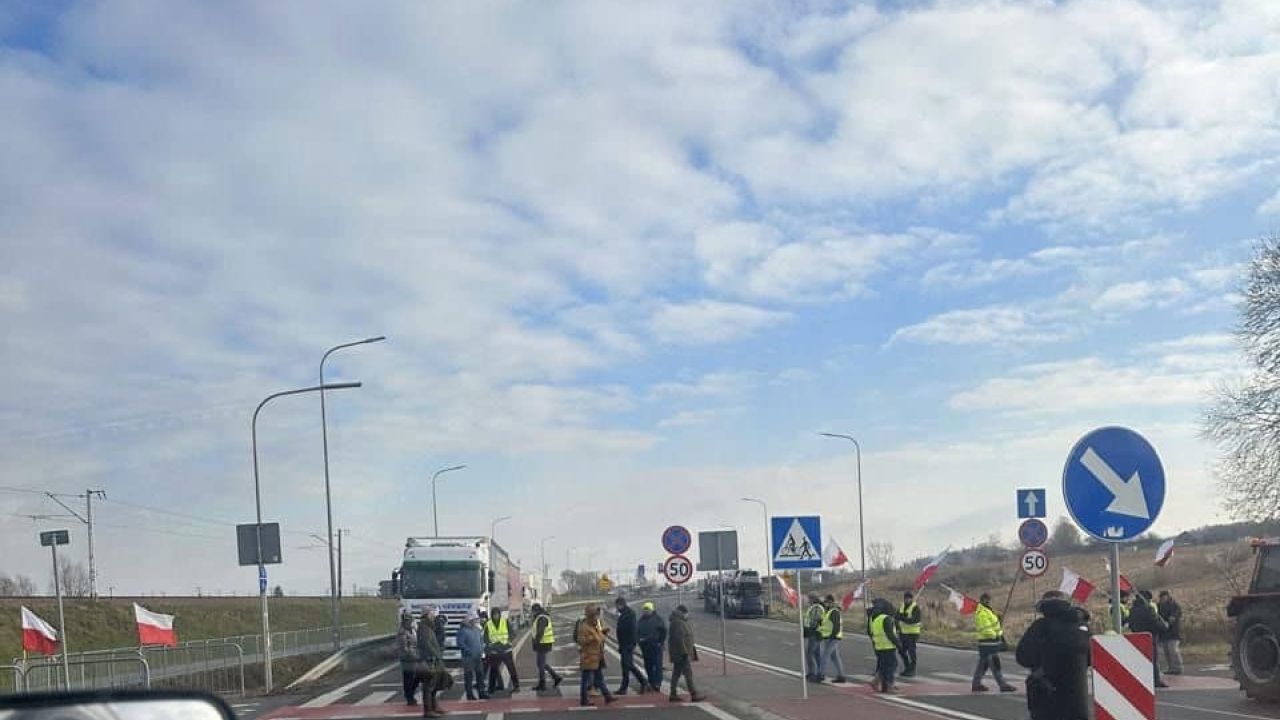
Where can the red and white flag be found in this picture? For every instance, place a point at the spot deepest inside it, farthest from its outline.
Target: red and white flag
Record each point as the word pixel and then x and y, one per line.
pixel 1125 585
pixel 1164 553
pixel 929 569
pixel 788 592
pixel 154 628
pixel 833 555
pixel 38 635
pixel 1076 587
pixel 965 604
pixel 852 596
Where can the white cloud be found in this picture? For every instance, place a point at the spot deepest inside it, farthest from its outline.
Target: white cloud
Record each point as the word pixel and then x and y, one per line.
pixel 1140 294
pixel 997 325
pixel 725 383
pixel 1270 206
pixel 710 321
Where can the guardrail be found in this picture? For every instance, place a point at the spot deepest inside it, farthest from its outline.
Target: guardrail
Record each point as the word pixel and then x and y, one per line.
pixel 214 665
pixel 16 681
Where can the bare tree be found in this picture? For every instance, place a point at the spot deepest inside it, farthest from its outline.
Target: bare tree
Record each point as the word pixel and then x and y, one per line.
pixel 1244 419
pixel 73 577
pixel 24 586
pixel 880 556
pixel 1064 538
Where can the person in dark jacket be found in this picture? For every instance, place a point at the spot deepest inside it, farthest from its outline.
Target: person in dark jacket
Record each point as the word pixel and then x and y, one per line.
pixel 543 642
pixel 908 627
pixel 1055 648
pixel 497 648
pixel 683 651
pixel 627 647
pixel 651 634
pixel 1171 612
pixel 812 643
pixel 882 629
pixel 407 642
pixel 1144 618
pixel 431 659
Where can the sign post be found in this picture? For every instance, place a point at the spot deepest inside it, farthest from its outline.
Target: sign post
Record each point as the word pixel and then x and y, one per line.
pixel 1114 486
pixel 797 545
pixel 52 539
pixel 718 550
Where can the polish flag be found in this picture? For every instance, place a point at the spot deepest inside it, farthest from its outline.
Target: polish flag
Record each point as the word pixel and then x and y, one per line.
pixel 1164 553
pixel 1125 585
pixel 788 592
pixel 154 628
pixel 1075 586
pixel 852 596
pixel 929 569
pixel 965 604
pixel 833 556
pixel 38 635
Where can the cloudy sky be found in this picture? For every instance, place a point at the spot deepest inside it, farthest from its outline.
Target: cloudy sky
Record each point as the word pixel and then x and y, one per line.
pixel 630 257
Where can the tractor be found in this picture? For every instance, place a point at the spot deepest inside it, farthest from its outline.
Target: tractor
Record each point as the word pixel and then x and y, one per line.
pixel 1255 642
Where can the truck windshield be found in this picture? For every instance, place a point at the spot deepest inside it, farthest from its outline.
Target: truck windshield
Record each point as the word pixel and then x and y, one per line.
pixel 421 580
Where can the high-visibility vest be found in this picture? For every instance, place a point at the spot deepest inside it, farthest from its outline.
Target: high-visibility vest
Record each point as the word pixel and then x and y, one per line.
pixel 498 633
pixel 814 615
pixel 548 633
pixel 987 623
pixel 880 638
pixel 827 628
pixel 904 627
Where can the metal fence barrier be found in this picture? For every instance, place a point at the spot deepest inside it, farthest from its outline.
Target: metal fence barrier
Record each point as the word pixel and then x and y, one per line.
pixel 214 665
pixel 16 679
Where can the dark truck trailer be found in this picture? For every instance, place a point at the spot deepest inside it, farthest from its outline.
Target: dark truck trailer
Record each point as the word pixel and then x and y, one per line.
pixel 744 595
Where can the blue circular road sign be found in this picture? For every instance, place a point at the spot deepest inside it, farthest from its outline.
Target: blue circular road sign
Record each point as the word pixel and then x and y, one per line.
pixel 677 540
pixel 1033 532
pixel 1113 484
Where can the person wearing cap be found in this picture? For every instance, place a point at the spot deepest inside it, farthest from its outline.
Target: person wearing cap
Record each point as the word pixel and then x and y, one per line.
pixel 831 632
pixel 544 639
pixel 908 618
pixel 812 643
pixel 1171 612
pixel 471 648
pixel 651 635
pixel 627 646
pixel 407 642
pixel 1055 648
pixel 497 640
pixel 430 662
pixel 683 650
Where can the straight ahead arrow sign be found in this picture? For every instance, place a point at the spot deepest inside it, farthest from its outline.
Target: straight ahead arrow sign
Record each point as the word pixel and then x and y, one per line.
pixel 1030 501
pixel 1127 497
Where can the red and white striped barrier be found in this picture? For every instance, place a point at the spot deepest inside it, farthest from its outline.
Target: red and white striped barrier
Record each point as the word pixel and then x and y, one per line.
pixel 1124 686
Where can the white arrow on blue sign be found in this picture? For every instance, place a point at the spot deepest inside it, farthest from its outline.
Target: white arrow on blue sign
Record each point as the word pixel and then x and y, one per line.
pixel 1113 484
pixel 1031 503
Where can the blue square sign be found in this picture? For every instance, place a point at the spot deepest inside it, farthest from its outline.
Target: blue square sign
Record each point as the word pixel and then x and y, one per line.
pixel 1031 503
pixel 797 542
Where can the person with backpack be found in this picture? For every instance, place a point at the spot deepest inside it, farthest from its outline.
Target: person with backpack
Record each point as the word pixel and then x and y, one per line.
pixel 626 625
pixel 544 638
pixel 1144 618
pixel 651 634
pixel 1055 648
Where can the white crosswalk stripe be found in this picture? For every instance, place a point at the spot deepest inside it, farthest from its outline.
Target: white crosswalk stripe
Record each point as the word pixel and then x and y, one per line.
pixel 376 698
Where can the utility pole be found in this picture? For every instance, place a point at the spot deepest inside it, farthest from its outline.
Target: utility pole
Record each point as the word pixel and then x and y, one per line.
pixel 340 533
pixel 87 519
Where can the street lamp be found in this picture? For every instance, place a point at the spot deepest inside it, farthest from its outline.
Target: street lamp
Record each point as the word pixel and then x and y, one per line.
pixel 862 544
pixel 768 545
pixel 334 610
pixel 435 519
pixel 257 501
pixel 542 544
pixel 493 526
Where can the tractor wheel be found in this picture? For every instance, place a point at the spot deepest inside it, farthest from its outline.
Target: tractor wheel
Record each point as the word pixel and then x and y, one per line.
pixel 1255 652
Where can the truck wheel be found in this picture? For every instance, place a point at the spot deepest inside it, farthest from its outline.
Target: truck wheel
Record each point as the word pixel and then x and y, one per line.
pixel 1255 652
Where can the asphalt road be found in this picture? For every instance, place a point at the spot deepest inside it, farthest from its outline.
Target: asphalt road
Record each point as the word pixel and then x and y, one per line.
pixel 759 677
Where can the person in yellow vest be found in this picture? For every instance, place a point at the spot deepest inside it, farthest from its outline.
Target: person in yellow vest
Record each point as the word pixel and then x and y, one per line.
pixel 881 628
pixel 497 647
pixel 990 643
pixel 544 639
pixel 908 633
pixel 812 643
pixel 831 631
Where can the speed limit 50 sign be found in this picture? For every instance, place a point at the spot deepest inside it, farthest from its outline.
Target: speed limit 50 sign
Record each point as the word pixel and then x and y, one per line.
pixel 677 569
pixel 1034 563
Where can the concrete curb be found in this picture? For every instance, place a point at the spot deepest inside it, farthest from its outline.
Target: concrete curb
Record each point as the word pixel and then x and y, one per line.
pixel 324 666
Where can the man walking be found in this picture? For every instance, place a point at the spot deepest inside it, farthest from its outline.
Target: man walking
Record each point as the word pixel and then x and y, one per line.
pixel 544 640
pixel 590 639
pixel 497 647
pixel 990 642
pixel 430 665
pixel 908 633
pixel 471 650
pixel 1055 648
pixel 651 633
pixel 1171 612
pixel 812 643
pixel 683 651
pixel 627 646
pixel 830 632
pixel 885 641
pixel 407 641
pixel 1144 618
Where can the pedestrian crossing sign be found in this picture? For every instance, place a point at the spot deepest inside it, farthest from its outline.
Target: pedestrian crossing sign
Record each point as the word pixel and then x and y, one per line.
pixel 797 542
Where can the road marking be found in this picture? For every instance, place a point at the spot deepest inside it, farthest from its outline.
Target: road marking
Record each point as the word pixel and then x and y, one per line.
pixel 755 663
pixel 386 685
pixel 376 698
pixel 715 712
pixel 1215 712
pixel 932 709
pixel 333 695
pixel 493 716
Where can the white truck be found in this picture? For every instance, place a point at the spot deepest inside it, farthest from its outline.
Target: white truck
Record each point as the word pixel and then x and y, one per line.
pixel 460 575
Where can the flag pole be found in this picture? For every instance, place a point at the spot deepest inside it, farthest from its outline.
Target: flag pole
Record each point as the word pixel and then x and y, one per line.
pixel 1009 599
pixel 804 681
